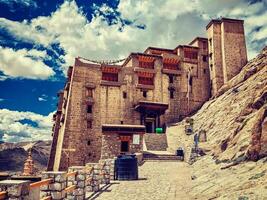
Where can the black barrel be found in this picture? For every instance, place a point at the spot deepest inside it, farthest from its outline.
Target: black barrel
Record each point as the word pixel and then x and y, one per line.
pixel 126 167
pixel 180 153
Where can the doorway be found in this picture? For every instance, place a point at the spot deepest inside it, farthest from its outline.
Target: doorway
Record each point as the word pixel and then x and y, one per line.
pixel 124 146
pixel 149 127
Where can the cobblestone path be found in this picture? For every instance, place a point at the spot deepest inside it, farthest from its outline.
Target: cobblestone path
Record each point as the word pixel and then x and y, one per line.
pixel 158 181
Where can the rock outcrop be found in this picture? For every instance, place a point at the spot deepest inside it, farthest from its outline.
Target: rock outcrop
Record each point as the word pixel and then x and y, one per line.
pixel 235 123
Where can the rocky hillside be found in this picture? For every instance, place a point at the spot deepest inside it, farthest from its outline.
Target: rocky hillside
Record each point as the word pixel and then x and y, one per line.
pixel 235 163
pixel 13 155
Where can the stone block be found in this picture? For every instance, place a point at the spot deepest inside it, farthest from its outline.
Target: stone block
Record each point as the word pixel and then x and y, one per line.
pixel 79 191
pixel 15 188
pixel 80 177
pixel 57 186
pixel 58 195
pixel 81 184
pixel 89 188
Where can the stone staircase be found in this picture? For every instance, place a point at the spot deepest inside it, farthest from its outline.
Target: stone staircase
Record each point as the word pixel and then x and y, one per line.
pixel 160 156
pixel 176 138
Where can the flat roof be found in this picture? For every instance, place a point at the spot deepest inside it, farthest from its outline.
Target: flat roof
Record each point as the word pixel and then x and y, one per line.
pixel 197 38
pixel 187 46
pixel 142 106
pixel 158 48
pixel 223 19
pixel 139 54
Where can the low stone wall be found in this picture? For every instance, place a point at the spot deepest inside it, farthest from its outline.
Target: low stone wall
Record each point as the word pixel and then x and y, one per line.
pixel 156 142
pixel 15 189
pixel 64 185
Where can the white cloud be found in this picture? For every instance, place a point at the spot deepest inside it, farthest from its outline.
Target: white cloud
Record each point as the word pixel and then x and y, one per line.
pixel 168 23
pixel 13 130
pixel 43 97
pixel 24 64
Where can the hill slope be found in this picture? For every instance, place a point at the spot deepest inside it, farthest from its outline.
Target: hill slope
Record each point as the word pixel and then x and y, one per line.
pixel 236 125
pixel 13 155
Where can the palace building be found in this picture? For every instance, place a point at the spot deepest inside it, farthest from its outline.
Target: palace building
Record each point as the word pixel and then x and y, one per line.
pixel 105 110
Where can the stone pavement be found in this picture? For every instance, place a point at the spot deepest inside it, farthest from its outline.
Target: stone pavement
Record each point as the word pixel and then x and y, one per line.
pixel 157 181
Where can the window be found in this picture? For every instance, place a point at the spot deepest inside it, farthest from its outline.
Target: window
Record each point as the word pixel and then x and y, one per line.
pixel 210 40
pixel 190 54
pixel 171 66
pixel 88 142
pixel 211 66
pixel 89 92
pixel 204 45
pixel 171 94
pixel 145 94
pixel 204 58
pixel 110 76
pixel 210 55
pixel 190 81
pixel 148 65
pixel 121 122
pixel 204 71
pixel 89 109
pixel 170 79
pixel 89 124
pixel 145 80
pixel 124 94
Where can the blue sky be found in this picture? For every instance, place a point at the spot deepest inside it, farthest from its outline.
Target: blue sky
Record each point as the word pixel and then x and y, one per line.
pixel 39 39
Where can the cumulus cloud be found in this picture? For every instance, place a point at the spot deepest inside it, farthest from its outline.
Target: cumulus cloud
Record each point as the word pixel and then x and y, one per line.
pixel 13 130
pixel 24 63
pixel 152 23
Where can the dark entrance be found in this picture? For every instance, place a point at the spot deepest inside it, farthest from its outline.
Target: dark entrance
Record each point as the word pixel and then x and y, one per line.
pixel 149 127
pixel 124 146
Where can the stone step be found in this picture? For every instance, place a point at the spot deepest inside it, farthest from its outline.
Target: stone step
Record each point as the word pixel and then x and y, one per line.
pixel 160 157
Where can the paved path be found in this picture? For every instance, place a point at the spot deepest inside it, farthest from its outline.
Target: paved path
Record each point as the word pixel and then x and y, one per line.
pixel 158 181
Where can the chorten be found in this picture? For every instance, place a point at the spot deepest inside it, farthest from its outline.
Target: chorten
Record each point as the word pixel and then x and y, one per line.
pixel 28 165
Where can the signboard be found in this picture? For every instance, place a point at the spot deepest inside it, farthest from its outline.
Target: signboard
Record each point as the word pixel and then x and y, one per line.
pixel 136 139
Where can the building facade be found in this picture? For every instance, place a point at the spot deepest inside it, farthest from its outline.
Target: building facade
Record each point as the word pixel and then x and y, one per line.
pixel 227 50
pixel 105 110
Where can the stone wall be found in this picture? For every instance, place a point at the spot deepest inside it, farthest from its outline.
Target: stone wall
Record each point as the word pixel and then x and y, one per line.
pixel 156 142
pixel 111 145
pixel 227 50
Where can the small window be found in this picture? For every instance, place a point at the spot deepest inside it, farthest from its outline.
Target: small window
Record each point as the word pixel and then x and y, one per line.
pixel 210 40
pixel 88 142
pixel 170 79
pixel 89 124
pixel 211 66
pixel 89 109
pixel 124 94
pixel 145 94
pixel 204 71
pixel 204 45
pixel 210 55
pixel 190 81
pixel 204 58
pixel 89 92
pixel 121 122
pixel 171 94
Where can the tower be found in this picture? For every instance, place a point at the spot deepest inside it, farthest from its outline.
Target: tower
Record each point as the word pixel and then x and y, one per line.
pixel 227 50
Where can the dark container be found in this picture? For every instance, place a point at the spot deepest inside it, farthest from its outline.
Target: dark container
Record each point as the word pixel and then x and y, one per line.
pixel 180 153
pixel 126 167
